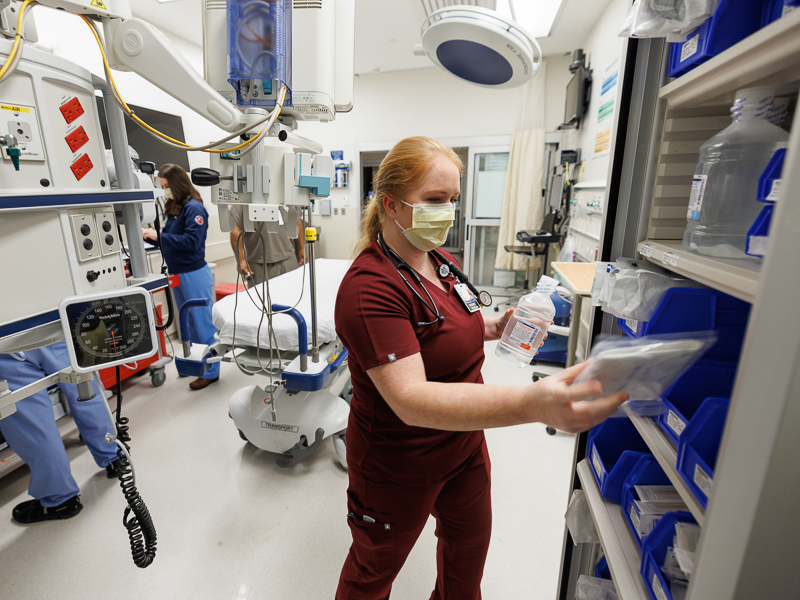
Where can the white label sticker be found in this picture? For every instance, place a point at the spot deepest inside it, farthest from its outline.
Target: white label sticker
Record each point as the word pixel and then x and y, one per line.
pixel 703 480
pixel 670 259
pixel 226 196
pixel 523 335
pixel 774 191
pixel 787 9
pixel 632 324
pixel 696 199
pixel 757 245
pixel 657 589
pixel 646 250
pixel 635 521
pixel 598 464
pixel 689 48
pixel 675 423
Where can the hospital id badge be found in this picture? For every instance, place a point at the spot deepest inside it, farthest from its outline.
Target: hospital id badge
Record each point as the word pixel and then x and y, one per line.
pixel 467 297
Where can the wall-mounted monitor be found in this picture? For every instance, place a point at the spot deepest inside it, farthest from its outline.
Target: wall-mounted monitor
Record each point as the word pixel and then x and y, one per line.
pixel 576 99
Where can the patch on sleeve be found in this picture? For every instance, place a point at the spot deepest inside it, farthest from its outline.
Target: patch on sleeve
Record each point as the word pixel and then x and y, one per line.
pixel 392 358
pixel 198 219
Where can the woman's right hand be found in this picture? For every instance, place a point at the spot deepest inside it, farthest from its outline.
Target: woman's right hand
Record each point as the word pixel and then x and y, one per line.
pixel 244 268
pixel 572 408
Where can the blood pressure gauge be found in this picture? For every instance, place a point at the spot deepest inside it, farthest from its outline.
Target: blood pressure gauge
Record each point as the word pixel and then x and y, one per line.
pixel 108 328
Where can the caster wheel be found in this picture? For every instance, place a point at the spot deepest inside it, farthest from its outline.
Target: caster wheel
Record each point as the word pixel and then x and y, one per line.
pixel 496 309
pixel 535 378
pixel 550 431
pixel 243 436
pixel 158 377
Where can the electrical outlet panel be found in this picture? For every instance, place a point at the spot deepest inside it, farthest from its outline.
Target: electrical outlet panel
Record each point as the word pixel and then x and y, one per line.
pixel 72 110
pixel 77 139
pixel 81 167
pixel 84 232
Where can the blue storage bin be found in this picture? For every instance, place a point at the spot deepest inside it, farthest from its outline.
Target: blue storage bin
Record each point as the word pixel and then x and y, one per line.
pixel 775 9
pixel 769 185
pixel 654 550
pixel 614 448
pixel 733 21
pixel 601 570
pixel 646 472
pixel 758 234
pixel 690 309
pixel 699 446
pixel 555 346
pixel 683 399
pixel 771 175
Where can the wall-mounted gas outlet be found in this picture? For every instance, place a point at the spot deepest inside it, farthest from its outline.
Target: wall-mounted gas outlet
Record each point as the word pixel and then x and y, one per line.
pixel 107 232
pixel 21 130
pixel 84 232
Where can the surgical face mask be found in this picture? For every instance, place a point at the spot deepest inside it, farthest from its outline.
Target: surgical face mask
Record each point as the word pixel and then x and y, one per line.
pixel 168 194
pixel 430 224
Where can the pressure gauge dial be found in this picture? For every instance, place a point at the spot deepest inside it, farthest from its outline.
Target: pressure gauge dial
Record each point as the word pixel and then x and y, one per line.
pixel 109 328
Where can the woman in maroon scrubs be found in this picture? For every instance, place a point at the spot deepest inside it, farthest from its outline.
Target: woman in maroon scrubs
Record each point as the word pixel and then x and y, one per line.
pixel 415 443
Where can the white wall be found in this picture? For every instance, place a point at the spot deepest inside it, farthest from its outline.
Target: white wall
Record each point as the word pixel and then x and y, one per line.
pixel 601 46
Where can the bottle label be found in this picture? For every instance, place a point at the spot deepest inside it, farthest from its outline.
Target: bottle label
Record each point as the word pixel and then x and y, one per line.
pixel 696 199
pixel 523 335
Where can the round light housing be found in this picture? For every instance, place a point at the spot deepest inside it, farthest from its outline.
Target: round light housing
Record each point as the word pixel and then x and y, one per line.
pixel 481 46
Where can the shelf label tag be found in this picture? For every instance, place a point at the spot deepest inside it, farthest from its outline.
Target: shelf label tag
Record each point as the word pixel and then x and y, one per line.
pixel 703 480
pixel 657 589
pixel 774 191
pixel 757 245
pixel 646 250
pixel 636 521
pixel 689 48
pixel 670 259
pixel 632 324
pixel 696 199
pixel 598 465
pixel 787 9
pixel 675 423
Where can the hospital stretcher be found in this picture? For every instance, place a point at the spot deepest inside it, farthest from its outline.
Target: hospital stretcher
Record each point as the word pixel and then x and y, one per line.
pixel 301 402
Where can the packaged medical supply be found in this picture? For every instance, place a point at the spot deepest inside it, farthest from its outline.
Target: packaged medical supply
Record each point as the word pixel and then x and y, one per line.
pixel 579 520
pixel 723 202
pixel 646 367
pixel 646 515
pixel 593 588
pixel 672 19
pixel 528 325
pixel 658 493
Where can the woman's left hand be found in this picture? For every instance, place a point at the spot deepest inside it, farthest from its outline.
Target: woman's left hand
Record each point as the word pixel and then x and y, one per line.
pixel 149 234
pixel 496 327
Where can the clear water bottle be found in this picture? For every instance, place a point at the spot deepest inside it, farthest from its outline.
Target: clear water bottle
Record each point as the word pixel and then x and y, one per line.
pixel 724 204
pixel 528 325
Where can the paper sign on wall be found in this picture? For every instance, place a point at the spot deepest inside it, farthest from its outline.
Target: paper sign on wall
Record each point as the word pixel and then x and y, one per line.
pixel 605 109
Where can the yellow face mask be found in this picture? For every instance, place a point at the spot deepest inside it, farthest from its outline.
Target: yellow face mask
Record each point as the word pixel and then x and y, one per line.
pixel 430 224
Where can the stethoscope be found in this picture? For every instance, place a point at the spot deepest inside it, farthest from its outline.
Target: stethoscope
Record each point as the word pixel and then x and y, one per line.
pixel 446 268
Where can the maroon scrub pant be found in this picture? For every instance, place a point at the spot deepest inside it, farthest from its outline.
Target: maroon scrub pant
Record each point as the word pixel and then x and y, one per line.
pixel 395 516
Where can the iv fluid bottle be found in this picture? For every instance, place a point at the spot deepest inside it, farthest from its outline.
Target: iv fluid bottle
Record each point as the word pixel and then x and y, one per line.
pixel 724 204
pixel 528 325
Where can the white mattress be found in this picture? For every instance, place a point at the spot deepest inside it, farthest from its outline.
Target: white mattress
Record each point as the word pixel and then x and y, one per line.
pixel 285 290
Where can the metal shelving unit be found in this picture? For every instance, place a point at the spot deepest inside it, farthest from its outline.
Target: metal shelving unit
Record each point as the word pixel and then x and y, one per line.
pixel 748 547
pixel 622 553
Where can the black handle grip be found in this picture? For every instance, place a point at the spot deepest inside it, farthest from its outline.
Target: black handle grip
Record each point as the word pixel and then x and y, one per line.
pixel 205 177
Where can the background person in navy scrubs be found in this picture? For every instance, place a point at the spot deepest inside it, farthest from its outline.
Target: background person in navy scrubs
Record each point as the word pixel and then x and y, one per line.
pixel 183 244
pixel 415 443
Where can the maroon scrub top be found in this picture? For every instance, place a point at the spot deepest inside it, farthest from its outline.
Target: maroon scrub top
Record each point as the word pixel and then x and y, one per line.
pixel 376 316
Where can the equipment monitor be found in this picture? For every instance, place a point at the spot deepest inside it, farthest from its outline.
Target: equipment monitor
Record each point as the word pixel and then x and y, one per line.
pixel 108 328
pixel 556 191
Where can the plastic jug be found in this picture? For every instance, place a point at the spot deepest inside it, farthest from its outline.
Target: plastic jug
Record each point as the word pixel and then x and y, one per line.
pixel 528 325
pixel 723 203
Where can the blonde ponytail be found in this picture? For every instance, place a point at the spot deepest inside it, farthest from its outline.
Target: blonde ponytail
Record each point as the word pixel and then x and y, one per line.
pixel 404 168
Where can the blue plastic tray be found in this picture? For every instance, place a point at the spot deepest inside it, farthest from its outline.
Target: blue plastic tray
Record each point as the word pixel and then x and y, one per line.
pixel 601 570
pixel 614 448
pixel 690 309
pixel 758 234
pixel 704 380
pixel 699 446
pixel 646 472
pixel 654 550
pixel 733 21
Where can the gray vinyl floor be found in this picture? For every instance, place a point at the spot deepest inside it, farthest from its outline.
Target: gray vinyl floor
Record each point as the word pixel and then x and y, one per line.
pixel 234 526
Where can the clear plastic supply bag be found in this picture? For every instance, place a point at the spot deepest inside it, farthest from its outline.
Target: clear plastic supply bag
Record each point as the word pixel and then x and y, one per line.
pixel 593 588
pixel 645 367
pixel 579 520
pixel 671 19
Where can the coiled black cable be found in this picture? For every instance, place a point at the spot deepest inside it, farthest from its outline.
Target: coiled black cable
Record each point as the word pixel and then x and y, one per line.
pixel 141 531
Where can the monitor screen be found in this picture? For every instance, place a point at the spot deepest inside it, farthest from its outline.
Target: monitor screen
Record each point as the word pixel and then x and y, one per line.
pixel 149 148
pixel 573 107
pixel 556 191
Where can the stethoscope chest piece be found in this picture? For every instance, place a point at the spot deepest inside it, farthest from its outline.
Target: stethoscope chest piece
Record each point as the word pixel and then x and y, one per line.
pixel 444 271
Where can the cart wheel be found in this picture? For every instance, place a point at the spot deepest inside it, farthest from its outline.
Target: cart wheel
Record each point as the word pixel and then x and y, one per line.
pixel 158 377
pixel 536 378
pixel 243 436
pixel 550 431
